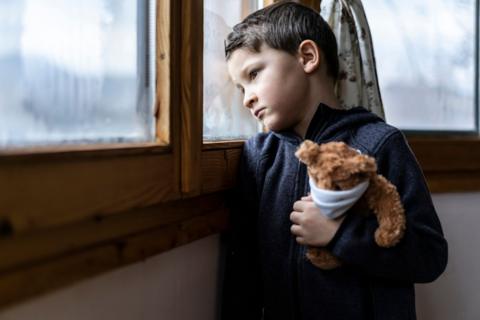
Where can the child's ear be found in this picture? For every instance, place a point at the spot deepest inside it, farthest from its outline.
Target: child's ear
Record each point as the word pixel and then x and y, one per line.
pixel 309 55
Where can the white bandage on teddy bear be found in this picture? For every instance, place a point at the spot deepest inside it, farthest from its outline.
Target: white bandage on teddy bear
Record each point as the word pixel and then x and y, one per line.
pixel 334 204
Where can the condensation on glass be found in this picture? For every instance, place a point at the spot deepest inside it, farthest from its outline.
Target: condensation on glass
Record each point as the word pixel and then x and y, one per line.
pixel 224 115
pixel 74 72
pixel 425 53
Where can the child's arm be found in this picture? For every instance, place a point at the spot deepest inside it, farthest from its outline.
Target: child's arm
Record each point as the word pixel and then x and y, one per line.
pixel 242 286
pixel 421 256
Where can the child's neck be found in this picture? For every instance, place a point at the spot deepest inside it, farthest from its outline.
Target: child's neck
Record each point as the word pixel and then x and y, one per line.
pixel 325 93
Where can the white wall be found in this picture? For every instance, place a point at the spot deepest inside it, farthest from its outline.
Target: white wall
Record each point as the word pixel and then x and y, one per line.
pixel 456 294
pixel 182 284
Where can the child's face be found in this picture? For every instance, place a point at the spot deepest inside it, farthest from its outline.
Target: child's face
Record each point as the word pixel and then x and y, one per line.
pixel 274 84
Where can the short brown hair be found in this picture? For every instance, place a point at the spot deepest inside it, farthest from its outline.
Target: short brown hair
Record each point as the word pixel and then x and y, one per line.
pixel 283 26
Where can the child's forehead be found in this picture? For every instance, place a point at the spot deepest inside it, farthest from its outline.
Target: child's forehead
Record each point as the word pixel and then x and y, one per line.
pixel 241 59
pixel 242 55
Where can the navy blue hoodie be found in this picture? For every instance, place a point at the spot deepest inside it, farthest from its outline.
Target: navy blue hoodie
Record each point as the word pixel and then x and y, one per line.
pixel 267 272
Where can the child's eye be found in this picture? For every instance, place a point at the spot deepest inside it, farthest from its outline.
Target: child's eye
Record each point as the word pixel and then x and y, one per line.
pixel 252 75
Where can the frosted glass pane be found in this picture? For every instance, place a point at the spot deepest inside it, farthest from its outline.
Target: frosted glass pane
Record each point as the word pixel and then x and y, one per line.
pixel 425 53
pixel 224 117
pixel 75 71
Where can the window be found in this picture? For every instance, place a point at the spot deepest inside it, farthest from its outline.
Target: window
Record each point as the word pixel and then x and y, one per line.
pixel 426 62
pixel 224 115
pixel 76 72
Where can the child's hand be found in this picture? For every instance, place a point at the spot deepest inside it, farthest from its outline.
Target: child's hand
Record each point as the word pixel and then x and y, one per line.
pixel 310 226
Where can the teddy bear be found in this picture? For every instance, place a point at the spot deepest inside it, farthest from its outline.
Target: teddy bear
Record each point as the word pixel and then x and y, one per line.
pixel 336 166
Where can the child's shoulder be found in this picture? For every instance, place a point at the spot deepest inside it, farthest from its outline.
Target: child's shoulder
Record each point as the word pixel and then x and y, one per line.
pixel 389 146
pixel 256 145
pixel 374 136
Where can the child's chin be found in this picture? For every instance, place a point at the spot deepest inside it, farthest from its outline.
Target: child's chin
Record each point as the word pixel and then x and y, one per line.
pixel 272 126
pixel 276 128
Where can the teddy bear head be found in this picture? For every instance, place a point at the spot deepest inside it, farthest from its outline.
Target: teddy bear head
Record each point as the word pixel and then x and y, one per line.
pixel 335 165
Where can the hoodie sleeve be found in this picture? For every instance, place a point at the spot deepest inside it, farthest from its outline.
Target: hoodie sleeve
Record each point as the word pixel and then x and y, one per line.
pixel 421 255
pixel 242 284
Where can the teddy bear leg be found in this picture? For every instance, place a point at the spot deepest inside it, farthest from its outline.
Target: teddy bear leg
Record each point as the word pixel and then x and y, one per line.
pixel 389 233
pixel 322 258
pixel 391 220
pixel 390 214
pixel 391 227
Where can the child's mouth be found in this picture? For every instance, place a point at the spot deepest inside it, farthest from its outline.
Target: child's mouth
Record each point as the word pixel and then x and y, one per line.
pixel 259 113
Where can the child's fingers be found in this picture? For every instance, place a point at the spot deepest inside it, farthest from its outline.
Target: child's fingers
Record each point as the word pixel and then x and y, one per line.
pixel 299 205
pixel 307 198
pixel 295 217
pixel 301 240
pixel 296 230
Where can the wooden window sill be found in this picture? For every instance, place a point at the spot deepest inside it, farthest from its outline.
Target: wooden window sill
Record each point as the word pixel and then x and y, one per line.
pixel 450 164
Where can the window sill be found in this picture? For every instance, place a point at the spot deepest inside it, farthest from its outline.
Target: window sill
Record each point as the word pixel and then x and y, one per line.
pixel 450 164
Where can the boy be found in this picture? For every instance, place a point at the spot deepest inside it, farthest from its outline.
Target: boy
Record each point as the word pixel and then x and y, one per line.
pixel 284 59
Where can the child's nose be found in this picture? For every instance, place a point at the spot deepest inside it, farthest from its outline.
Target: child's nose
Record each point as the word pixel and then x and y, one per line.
pixel 249 100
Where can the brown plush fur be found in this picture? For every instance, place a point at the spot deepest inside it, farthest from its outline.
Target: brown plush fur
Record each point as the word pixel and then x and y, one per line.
pixel 336 166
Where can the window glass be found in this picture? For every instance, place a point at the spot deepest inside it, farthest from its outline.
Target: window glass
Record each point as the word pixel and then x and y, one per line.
pixel 76 71
pixel 224 114
pixel 425 54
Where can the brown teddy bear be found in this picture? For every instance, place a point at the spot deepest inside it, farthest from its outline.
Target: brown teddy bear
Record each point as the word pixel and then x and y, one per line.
pixel 336 166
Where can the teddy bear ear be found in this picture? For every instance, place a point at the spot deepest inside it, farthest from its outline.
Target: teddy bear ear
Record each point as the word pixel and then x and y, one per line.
pixel 308 152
